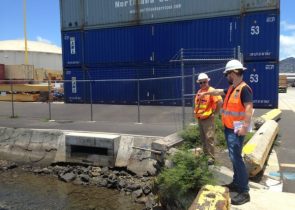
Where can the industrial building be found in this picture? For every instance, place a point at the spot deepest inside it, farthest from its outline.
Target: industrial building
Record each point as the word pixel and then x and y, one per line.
pixel 131 41
pixel 41 55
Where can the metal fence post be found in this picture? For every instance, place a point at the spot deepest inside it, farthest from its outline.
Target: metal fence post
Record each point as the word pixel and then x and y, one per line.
pixel 194 92
pixel 91 107
pixel 12 101
pixel 138 101
pixel 182 88
pixel 49 104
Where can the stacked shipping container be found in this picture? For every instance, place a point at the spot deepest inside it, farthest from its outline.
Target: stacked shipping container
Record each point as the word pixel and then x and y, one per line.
pixel 135 39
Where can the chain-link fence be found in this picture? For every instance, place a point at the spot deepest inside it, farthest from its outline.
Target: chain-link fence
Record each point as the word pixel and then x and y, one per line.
pixel 152 94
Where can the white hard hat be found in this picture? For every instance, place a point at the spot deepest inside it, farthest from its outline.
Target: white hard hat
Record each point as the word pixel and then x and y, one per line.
pixel 233 65
pixel 203 76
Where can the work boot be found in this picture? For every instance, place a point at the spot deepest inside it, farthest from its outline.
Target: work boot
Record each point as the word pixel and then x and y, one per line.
pixel 240 198
pixel 232 187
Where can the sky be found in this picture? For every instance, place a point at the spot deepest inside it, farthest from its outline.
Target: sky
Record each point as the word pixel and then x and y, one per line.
pixel 43 23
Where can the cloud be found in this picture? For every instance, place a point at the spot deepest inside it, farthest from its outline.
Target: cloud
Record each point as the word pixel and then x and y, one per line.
pixel 287 46
pixel 40 39
pixel 285 26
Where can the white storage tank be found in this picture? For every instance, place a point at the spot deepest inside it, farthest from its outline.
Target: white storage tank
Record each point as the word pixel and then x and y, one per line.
pixel 41 55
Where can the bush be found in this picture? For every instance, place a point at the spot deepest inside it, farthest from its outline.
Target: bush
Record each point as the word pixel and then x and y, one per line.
pixel 178 186
pixel 191 137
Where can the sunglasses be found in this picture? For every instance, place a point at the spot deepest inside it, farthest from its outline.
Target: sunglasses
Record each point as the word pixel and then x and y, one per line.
pixel 204 82
pixel 227 73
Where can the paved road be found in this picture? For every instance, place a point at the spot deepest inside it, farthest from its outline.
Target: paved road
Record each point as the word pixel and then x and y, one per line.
pixel 286 150
pixel 155 120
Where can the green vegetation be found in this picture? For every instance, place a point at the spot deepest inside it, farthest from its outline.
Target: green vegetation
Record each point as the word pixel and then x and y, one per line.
pixel 191 135
pixel 178 186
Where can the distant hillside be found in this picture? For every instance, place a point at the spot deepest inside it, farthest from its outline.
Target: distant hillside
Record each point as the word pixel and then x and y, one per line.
pixel 287 65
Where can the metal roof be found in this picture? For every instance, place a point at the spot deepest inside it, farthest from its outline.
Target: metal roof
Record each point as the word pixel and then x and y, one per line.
pixel 33 46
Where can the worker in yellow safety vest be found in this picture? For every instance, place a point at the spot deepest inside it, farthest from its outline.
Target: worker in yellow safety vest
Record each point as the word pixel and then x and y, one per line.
pixel 205 109
pixel 236 112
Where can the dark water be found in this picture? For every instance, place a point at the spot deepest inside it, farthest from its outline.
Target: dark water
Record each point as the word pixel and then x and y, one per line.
pixel 22 190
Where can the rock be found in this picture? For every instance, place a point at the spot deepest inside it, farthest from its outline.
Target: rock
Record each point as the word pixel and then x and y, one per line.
pixel 116 173
pixel 112 181
pixel 137 194
pixel 146 189
pixel 95 171
pixel 103 183
pixel 122 184
pixel 57 169
pixel 142 167
pixel 141 200
pixel 133 186
pixel 7 165
pixel 104 170
pixel 151 202
pixel 84 178
pixel 67 177
pixel 168 164
pixel 123 173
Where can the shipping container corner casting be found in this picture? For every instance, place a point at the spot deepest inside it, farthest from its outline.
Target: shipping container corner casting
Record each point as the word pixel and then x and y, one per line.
pixel 116 39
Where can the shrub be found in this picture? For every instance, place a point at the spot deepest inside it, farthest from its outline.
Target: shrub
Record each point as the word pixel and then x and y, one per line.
pixel 191 137
pixel 178 186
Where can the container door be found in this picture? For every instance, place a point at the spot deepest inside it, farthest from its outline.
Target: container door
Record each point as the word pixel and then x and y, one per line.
pixel 116 92
pixel 261 36
pixel 263 79
pixel 74 88
pixel 72 55
pixel 71 18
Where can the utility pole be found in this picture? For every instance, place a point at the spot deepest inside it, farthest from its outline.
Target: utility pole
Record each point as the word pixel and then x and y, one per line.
pixel 25 32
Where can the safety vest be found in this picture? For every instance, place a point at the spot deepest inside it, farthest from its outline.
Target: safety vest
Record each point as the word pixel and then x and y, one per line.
pixel 205 106
pixel 233 109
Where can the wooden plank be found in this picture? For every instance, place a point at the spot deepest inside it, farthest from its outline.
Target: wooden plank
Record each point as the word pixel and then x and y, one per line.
pixel 25 87
pixel 20 97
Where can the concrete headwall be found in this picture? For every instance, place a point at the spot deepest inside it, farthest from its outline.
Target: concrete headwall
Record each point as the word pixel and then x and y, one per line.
pixel 29 145
pixel 43 147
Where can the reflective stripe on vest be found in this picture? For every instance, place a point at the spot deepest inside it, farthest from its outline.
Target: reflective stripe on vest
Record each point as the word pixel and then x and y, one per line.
pixel 233 113
pixel 233 109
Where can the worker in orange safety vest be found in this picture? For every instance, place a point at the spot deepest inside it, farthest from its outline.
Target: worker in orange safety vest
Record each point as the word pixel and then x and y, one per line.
pixel 236 112
pixel 205 109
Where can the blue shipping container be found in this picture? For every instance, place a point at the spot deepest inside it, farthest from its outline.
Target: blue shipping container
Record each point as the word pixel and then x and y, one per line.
pixel 72 48
pixel 118 45
pixel 214 33
pixel 149 43
pixel 263 79
pixel 261 32
pixel 74 89
pixel 114 92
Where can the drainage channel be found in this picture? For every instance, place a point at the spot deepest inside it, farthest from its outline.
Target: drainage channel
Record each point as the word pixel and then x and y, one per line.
pixel 92 148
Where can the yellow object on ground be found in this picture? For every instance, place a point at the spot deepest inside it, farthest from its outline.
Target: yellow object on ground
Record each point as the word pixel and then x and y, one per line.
pixel 212 198
pixel 274 114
